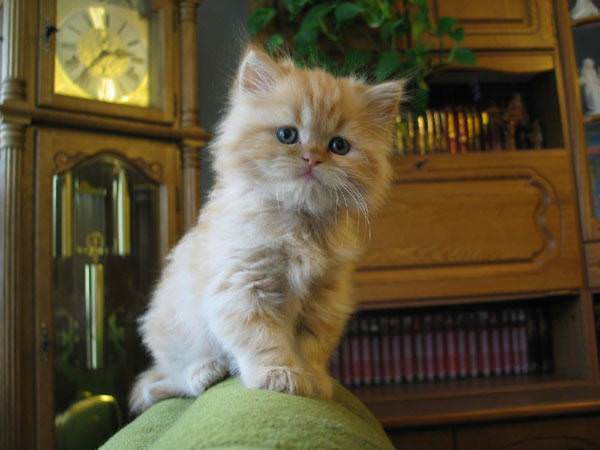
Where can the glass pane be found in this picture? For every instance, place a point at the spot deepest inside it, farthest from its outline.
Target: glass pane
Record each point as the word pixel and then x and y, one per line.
pixel 109 50
pixel 106 258
pixel 593 148
pixel 586 39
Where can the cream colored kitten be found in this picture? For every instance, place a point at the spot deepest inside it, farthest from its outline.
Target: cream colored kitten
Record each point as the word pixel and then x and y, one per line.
pixel 261 285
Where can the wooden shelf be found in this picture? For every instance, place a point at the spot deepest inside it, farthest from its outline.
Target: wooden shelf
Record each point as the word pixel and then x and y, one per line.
pixel 467 401
pixel 483 153
pixel 585 21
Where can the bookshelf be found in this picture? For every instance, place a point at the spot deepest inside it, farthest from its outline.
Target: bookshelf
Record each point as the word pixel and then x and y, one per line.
pixel 496 230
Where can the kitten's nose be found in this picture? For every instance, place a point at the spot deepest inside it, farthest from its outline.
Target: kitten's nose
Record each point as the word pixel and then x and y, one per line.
pixel 312 159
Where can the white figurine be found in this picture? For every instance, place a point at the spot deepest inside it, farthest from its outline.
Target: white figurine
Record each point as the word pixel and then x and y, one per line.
pixel 590 81
pixel 583 8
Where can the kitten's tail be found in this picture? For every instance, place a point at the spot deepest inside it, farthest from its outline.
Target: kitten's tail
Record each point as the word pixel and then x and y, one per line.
pixel 150 387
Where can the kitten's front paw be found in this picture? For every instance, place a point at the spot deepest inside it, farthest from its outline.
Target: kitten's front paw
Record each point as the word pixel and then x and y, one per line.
pixel 290 380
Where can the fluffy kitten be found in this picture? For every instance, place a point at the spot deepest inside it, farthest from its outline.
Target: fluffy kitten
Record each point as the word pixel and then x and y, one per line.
pixel 261 285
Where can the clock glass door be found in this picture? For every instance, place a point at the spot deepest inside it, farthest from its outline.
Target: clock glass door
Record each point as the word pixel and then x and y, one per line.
pixel 106 253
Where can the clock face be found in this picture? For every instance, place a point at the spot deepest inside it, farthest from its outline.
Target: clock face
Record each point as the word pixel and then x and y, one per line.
pixel 102 54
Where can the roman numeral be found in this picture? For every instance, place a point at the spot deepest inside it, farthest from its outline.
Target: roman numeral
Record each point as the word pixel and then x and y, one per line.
pixel 74 30
pixel 84 79
pixel 68 45
pixel 71 63
pixel 134 77
pixel 132 43
pixel 87 20
pixel 121 28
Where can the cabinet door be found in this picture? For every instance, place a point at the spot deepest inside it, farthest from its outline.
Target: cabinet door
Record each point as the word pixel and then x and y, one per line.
pixel 477 224
pixel 422 439
pixel 566 434
pixel 501 23
pixel 106 216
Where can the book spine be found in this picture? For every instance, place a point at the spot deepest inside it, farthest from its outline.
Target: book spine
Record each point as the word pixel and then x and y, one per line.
pixel 366 357
pixel 429 347
pixel 451 351
pixel 523 349
pixel 407 349
pixel 495 340
pixel 419 348
pixel 462 131
pixel 440 347
pixel 461 339
pixel 546 341
pixel 386 351
pixel 451 131
pixel 430 130
pixel 357 376
pixel 397 356
pixel 376 350
pixel 507 362
pixel 533 342
pixel 484 343
pixel 347 361
pixel 514 321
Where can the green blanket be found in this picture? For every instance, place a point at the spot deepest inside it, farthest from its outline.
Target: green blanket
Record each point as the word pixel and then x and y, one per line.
pixel 229 416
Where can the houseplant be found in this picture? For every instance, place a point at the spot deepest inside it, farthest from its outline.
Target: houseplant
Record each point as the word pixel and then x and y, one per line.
pixel 380 39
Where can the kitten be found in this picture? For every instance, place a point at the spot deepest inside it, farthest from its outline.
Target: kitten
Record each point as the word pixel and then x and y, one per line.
pixel 261 285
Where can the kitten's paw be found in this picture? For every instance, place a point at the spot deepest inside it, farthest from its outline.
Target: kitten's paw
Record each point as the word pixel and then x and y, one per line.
pixel 203 375
pixel 290 380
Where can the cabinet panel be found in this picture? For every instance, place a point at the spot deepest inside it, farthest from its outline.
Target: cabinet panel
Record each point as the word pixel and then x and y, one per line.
pixel 502 23
pixel 567 434
pixel 474 224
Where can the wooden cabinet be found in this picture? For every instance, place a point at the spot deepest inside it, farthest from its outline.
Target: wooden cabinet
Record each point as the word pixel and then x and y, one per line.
pixel 501 23
pixel 475 224
pixel 422 439
pixel 566 434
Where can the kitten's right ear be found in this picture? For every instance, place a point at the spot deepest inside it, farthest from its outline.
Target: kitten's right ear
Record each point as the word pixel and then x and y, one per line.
pixel 258 72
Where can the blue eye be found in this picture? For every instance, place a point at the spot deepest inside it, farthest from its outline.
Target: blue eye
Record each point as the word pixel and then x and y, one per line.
pixel 287 135
pixel 339 146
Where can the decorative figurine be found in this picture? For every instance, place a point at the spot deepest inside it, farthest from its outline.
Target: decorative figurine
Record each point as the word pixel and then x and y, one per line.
pixel 591 86
pixel 515 116
pixel 584 8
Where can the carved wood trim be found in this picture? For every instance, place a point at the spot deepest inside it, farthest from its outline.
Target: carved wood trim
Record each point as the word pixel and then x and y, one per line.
pixel 12 86
pixel 190 159
pixel 64 161
pixel 189 70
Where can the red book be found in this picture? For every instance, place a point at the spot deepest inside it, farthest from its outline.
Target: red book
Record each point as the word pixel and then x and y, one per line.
pixel 495 341
pixel 346 361
pixel 407 349
pixel 366 357
pixel 375 333
pixel 451 350
pixel 440 346
pixel 396 348
pixel 472 346
pixel 356 371
pixel 484 343
pixel 515 345
pixel 419 350
pixel 461 345
pixel 429 347
pixel 386 351
pixel 505 332
pixel 523 348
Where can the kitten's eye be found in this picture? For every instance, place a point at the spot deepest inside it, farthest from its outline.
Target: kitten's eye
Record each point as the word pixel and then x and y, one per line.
pixel 287 135
pixel 339 146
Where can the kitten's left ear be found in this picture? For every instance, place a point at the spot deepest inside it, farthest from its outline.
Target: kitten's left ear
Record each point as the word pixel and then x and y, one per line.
pixel 383 99
pixel 258 72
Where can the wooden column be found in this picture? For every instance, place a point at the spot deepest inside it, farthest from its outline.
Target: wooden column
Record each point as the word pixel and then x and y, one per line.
pixel 12 147
pixel 189 110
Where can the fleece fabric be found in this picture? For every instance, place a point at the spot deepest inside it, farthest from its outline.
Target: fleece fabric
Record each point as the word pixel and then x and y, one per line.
pixel 230 417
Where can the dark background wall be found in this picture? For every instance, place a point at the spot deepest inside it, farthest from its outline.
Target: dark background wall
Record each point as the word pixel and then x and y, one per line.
pixel 221 38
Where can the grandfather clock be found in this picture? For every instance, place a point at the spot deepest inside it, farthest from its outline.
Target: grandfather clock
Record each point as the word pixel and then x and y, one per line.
pixel 99 170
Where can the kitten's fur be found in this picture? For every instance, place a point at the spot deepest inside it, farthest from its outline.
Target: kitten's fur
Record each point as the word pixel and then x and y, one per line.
pixel 261 285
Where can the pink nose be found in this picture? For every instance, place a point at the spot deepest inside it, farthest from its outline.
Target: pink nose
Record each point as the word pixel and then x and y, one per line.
pixel 311 159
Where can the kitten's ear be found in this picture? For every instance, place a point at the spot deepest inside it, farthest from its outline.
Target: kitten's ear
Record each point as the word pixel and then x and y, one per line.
pixel 258 72
pixel 383 99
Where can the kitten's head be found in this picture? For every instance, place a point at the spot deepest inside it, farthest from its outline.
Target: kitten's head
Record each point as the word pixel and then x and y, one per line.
pixel 306 139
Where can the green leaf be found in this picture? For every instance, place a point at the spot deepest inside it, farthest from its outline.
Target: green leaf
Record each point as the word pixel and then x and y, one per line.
pixel 355 61
pixel 445 25
pixel 389 62
pixel 347 11
pixel 294 7
pixel 390 30
pixel 420 3
pixel 458 34
pixel 259 19
pixel 419 98
pixel 274 43
pixel 306 38
pixel 314 16
pixel 462 56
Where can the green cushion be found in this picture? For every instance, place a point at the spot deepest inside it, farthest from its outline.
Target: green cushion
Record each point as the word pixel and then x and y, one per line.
pixel 229 416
